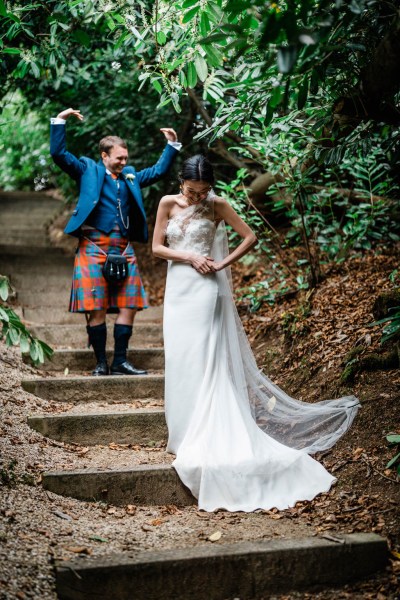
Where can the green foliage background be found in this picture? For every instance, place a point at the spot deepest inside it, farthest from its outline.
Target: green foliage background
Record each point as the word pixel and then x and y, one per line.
pixel 305 91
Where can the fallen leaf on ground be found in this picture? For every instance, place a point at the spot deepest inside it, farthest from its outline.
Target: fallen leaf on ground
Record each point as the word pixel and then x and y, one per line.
pixel 214 537
pixel 62 515
pixel 156 522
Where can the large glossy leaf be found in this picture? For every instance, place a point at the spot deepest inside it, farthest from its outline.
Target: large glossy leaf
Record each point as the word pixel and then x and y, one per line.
pixel 191 75
pixel 201 67
pixel 214 56
pixel 189 3
pixel 204 24
pixel 190 14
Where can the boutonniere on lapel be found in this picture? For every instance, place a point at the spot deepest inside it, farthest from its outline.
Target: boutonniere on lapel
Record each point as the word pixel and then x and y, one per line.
pixel 130 177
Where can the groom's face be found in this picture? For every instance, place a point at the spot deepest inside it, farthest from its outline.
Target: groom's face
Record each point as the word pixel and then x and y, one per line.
pixel 116 159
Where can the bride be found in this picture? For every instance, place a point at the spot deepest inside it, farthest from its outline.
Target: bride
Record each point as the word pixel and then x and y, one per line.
pixel 241 443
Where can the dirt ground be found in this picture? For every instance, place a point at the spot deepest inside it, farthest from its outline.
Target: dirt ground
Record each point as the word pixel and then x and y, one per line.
pixel 301 342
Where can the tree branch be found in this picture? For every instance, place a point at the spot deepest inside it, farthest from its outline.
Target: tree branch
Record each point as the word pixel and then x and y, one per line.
pixel 220 148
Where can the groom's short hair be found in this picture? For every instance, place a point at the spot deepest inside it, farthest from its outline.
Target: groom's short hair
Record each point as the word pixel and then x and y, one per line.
pixel 108 142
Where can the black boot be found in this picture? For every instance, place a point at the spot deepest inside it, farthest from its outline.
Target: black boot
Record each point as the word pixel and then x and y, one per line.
pixel 97 339
pixel 120 365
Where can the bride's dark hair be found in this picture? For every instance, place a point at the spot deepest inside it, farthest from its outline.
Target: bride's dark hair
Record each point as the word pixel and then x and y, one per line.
pixel 197 168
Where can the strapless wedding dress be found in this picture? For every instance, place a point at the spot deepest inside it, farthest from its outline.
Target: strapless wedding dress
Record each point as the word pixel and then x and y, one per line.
pixel 240 442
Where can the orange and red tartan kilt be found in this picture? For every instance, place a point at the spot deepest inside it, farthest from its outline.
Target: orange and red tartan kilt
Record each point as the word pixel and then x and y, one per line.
pixel 90 291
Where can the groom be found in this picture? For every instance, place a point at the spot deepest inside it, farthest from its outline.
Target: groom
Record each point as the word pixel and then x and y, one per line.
pixel 108 215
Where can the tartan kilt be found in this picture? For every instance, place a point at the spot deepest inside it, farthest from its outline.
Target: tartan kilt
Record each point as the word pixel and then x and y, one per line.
pixel 90 291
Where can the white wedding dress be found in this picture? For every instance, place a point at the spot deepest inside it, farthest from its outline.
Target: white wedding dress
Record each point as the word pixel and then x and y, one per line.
pixel 240 442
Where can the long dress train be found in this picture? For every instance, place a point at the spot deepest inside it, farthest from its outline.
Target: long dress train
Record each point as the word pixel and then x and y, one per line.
pixel 241 443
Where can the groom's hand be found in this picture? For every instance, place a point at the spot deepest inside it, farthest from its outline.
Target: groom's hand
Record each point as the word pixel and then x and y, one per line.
pixel 70 112
pixel 170 134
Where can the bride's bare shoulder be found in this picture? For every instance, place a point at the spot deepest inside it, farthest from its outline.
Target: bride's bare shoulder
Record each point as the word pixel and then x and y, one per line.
pixel 168 203
pixel 219 204
pixel 169 200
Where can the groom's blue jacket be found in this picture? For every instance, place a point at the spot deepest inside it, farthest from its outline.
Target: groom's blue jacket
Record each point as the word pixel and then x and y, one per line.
pixel 90 178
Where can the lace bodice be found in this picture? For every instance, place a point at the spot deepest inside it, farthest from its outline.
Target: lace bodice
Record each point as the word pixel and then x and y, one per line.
pixel 193 228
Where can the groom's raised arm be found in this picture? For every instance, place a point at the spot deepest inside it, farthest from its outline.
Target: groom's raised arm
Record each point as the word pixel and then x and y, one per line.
pixel 69 163
pixel 152 174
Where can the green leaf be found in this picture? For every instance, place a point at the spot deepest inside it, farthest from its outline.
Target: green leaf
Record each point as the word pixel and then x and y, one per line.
pixel 11 51
pixel 161 38
pixel 204 24
pixel 24 343
pixel 4 289
pixel 190 14
pixel 189 3
pixel 35 69
pixel 33 351
pixel 40 352
pixel 14 335
pixel 4 315
pixel 110 22
pixel 157 85
pixel 393 461
pixel 213 11
pixel 175 102
pixel 276 97
pixel 82 37
pixel 182 79
pixel 393 438
pixel 3 9
pixel 201 67
pixel 213 54
pixel 191 75
pixel 97 538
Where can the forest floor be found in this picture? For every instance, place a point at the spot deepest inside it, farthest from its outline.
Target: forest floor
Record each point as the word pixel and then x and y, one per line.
pixel 301 343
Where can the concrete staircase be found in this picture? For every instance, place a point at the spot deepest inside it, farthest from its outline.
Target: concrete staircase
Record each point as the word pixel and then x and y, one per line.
pixel 42 277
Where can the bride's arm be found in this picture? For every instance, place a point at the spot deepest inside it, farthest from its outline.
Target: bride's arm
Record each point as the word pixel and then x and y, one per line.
pixel 202 264
pixel 224 212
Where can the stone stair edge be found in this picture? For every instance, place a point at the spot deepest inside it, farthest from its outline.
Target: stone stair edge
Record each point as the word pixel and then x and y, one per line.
pixel 88 378
pixel 66 415
pixel 220 571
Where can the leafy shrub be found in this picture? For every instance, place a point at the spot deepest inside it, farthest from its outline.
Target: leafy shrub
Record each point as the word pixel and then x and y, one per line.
pixel 14 331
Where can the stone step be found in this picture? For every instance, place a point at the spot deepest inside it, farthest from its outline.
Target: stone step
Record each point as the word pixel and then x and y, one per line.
pixel 245 570
pixel 38 217
pixel 31 198
pixel 35 298
pixel 96 389
pixel 8 226
pixel 143 485
pixel 140 426
pixel 23 255
pixel 34 240
pixel 75 336
pixel 61 316
pixel 84 360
